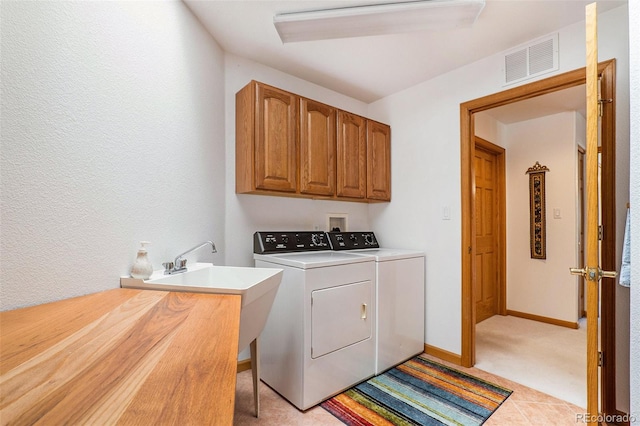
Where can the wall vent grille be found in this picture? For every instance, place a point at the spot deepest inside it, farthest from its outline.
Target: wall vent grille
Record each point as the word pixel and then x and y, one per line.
pixel 531 60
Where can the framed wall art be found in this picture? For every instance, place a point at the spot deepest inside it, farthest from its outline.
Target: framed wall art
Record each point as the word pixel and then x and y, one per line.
pixel 537 211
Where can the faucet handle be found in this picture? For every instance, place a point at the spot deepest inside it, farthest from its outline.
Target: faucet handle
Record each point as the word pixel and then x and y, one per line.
pixel 168 266
pixel 182 263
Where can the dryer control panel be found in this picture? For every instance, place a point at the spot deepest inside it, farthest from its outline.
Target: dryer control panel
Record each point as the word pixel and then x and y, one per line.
pixel 285 242
pixel 353 240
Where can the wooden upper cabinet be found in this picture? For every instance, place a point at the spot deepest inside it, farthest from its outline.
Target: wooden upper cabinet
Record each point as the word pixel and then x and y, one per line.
pixel 317 148
pixel 352 155
pixel 293 146
pixel 378 161
pixel 266 139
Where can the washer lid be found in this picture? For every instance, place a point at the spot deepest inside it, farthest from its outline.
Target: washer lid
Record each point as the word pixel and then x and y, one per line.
pixel 385 254
pixel 318 259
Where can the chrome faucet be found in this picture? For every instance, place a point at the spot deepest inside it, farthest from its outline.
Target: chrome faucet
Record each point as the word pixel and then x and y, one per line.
pixel 180 264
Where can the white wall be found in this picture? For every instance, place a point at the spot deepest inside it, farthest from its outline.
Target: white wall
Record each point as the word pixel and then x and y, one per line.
pixel 246 213
pixel 543 286
pixel 489 129
pixel 112 132
pixel 634 181
pixel 426 146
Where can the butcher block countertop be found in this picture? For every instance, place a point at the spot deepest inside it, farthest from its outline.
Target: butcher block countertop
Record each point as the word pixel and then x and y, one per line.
pixel 121 356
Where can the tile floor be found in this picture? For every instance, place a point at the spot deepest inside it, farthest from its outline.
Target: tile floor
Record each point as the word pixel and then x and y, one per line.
pixel 525 406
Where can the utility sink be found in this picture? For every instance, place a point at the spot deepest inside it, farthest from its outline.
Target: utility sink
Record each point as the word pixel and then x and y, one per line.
pixel 257 286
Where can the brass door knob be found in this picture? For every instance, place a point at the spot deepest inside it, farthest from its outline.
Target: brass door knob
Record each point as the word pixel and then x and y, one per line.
pixel 608 274
pixel 593 274
pixel 578 271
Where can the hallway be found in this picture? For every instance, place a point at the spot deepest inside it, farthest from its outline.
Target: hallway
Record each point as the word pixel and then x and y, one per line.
pixel 545 357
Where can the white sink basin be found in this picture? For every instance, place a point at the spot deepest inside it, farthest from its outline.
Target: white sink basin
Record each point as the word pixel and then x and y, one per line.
pixel 257 286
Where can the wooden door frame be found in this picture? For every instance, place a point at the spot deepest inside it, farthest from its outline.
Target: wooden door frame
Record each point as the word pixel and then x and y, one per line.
pixel 606 70
pixel 501 197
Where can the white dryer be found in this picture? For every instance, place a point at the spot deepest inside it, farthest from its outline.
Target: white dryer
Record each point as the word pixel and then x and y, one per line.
pixel 319 338
pixel 400 296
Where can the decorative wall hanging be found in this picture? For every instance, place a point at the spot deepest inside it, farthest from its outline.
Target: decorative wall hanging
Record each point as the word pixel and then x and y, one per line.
pixel 537 211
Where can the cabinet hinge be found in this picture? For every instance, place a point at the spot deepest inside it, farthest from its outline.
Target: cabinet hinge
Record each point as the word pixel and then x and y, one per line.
pixel 600 359
pixel 600 232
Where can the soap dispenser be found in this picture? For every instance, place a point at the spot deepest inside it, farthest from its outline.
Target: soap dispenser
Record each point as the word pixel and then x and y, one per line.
pixel 142 268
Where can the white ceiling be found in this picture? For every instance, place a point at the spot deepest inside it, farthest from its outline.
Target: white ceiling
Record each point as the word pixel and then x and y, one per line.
pixel 369 68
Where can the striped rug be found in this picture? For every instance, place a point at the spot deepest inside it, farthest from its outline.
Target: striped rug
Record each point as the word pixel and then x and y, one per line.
pixel 418 392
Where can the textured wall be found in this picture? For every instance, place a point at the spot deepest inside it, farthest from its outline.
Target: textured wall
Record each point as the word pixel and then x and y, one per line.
pixel 112 132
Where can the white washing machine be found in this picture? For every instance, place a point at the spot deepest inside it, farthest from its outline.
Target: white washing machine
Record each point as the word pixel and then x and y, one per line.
pixel 400 296
pixel 319 338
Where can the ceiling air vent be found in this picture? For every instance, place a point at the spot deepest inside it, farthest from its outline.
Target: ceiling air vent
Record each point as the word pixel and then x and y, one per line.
pixel 533 59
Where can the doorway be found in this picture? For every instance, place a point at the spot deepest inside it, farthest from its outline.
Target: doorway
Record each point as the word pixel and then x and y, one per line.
pixel 468 247
pixel 540 343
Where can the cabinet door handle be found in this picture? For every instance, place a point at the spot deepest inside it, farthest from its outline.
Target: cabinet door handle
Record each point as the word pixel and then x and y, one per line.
pixel 363 311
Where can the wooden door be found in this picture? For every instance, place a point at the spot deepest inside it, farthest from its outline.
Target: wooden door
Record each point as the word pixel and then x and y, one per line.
pixel 378 161
pixel 317 148
pixel 276 139
pixel 592 271
pixel 352 156
pixel 489 180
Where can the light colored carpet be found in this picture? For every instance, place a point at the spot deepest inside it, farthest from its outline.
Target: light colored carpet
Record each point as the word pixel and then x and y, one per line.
pixel 545 357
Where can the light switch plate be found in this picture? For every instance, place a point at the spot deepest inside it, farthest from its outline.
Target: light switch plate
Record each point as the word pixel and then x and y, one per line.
pixel 446 213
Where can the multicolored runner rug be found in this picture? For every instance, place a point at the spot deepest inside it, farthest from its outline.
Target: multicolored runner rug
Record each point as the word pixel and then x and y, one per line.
pixel 418 392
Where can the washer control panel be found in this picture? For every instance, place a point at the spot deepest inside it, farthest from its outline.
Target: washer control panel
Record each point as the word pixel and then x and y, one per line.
pixel 353 240
pixel 285 242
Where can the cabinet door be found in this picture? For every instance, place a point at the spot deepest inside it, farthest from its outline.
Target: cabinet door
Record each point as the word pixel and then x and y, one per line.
pixel 351 151
pixel 378 161
pixel 317 148
pixel 276 139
